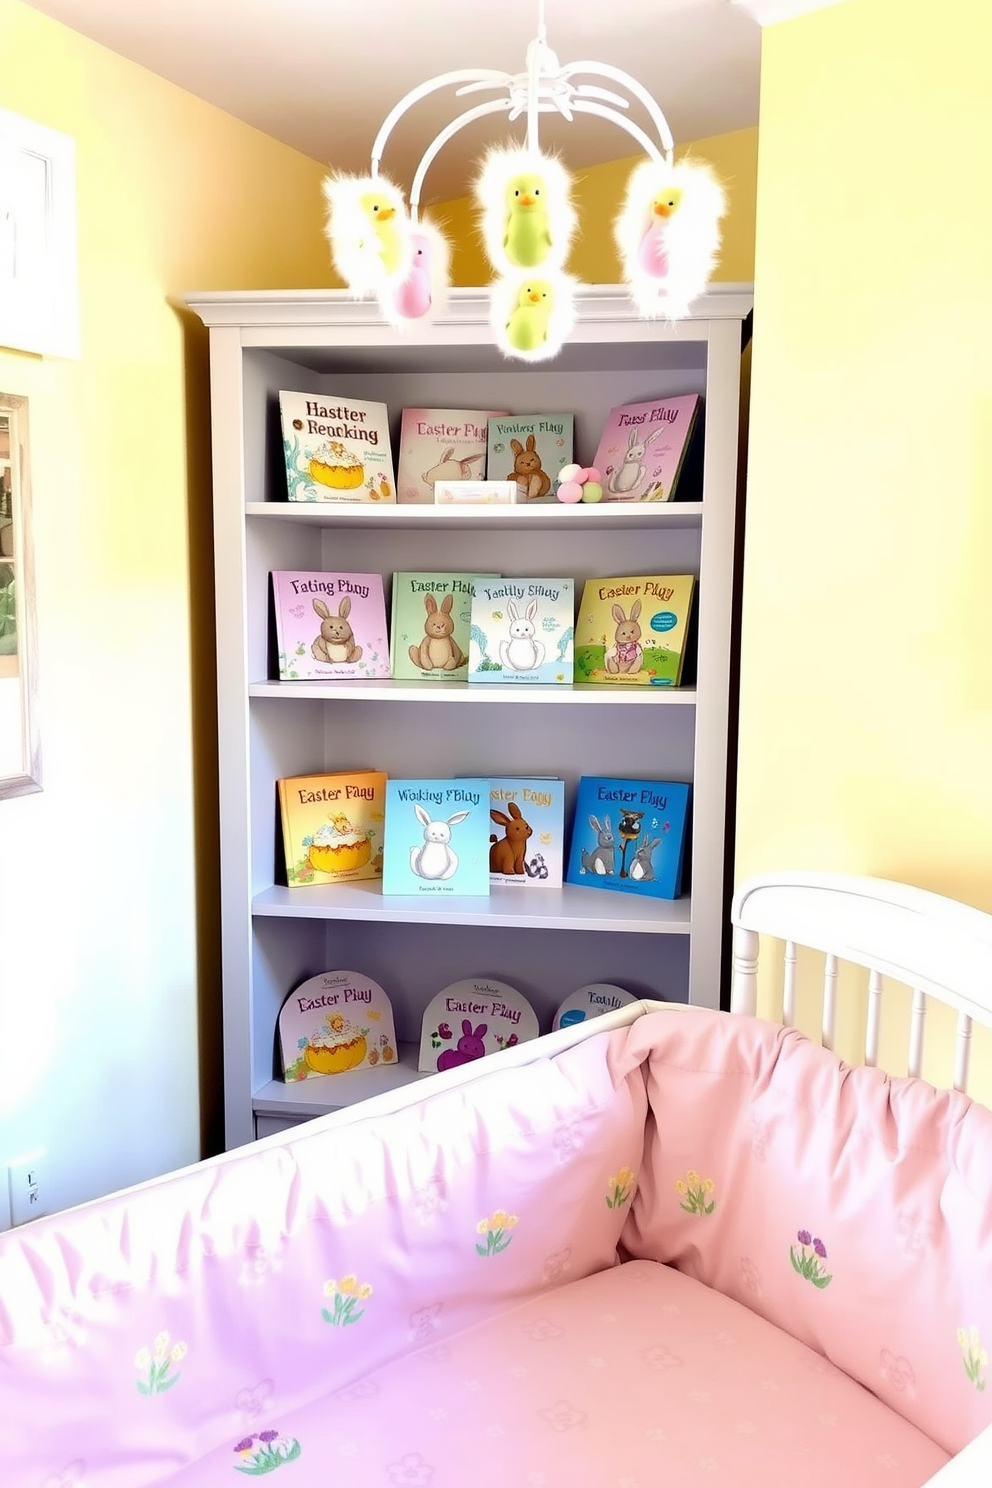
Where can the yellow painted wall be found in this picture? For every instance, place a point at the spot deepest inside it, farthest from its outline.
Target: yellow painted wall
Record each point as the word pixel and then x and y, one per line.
pixel 108 878
pixel 599 192
pixel 866 688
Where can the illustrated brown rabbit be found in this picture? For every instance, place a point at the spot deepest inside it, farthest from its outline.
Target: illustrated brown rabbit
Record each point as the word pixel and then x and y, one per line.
pixel 531 477
pixel 506 854
pixel 438 651
pixel 626 653
pixel 336 642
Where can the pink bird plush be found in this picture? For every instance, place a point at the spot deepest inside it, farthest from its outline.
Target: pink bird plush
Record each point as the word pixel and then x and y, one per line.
pixel 420 288
pixel 668 235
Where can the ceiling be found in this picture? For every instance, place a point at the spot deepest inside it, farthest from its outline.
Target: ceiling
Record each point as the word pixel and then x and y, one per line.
pixel 321 75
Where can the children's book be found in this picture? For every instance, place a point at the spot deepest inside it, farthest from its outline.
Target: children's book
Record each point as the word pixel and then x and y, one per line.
pixel 527 822
pixel 629 835
pixel 632 631
pixel 335 1022
pixel 437 837
pixel 440 444
pixel 591 1001
pixel 521 631
pixel 643 447
pixel 330 625
pixel 336 449
pixel 332 826
pixel 473 1018
pixel 429 625
pixel 530 449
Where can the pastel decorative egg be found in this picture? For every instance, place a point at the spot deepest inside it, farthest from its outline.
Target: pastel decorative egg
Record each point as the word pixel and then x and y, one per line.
pixel 592 474
pixel 570 490
pixel 592 491
pixel 569 472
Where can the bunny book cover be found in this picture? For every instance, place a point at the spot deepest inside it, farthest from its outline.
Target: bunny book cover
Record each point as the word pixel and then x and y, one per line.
pixel 336 449
pixel 440 444
pixel 530 449
pixel 437 837
pixel 629 835
pixel 631 632
pixel 429 629
pixel 526 830
pixel 332 825
pixel 643 448
pixel 330 625
pixel 521 631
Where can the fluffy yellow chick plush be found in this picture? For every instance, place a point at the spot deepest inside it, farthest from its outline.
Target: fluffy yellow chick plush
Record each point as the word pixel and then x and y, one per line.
pixel 368 228
pixel 527 217
pixel 527 238
pixel 381 214
pixel 527 327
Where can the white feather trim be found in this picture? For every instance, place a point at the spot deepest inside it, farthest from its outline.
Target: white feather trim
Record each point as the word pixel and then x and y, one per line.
pixel 419 296
pixel 691 235
pixel 357 250
pixel 501 164
pixel 504 302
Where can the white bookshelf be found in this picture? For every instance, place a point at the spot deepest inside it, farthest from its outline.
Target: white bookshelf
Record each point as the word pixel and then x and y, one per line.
pixel 546 942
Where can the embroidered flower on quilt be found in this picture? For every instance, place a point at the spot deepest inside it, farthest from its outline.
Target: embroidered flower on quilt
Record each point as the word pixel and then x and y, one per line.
pixel 363 1389
pixel 412 1471
pixel 562 1416
pixel 60 1332
pixel 258 1265
pixel 264 1452
pixel 914 1236
pixel 250 1402
pixel 621 1186
pixel 973 1356
pixel 346 1294
pixel 659 1356
pixel 566 1141
pixel 430 1200
pixel 555 1265
pixel 898 1371
pixel 759 1140
pixel 73 1476
pixel 424 1322
pixel 806 1259
pixel 158 1361
pixel 750 1276
pixel 541 1329
pixel 695 1193
pixel 496 1230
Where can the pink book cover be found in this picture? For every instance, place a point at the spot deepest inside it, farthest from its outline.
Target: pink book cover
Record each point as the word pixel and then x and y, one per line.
pixel 440 444
pixel 330 625
pixel 643 447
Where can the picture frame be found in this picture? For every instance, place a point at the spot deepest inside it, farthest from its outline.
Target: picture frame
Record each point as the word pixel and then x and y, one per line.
pixel 39 298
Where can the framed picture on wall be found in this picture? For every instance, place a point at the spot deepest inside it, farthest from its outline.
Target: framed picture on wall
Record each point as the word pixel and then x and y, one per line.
pixel 39 309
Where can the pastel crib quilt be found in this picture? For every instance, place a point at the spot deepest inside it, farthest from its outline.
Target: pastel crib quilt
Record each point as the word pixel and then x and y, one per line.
pixel 693 1241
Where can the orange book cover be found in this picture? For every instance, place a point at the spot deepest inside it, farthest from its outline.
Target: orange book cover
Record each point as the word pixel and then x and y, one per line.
pixel 332 826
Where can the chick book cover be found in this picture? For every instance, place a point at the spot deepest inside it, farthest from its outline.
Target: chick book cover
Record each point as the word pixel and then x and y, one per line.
pixel 336 449
pixel 333 826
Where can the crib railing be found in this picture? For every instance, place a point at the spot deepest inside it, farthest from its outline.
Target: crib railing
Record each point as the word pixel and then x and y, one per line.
pixel 936 946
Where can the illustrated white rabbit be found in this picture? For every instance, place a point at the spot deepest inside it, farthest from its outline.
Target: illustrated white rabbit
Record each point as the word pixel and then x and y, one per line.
pixel 521 653
pixel 631 474
pixel 435 858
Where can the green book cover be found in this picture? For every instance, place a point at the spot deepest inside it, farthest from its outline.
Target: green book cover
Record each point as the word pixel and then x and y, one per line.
pixel 431 620
pixel 529 448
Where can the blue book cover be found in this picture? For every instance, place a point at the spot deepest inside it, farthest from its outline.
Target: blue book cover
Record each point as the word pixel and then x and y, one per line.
pixel 436 837
pixel 522 630
pixel 629 835
pixel 526 831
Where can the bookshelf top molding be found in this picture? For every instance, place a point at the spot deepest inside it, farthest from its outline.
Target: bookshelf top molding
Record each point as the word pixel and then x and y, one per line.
pixel 337 310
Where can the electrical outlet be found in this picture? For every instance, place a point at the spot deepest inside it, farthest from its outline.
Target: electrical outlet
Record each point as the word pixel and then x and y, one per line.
pixel 27 1181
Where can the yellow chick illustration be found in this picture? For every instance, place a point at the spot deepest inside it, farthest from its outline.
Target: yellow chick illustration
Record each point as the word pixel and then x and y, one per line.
pixel 381 215
pixel 527 327
pixel 528 236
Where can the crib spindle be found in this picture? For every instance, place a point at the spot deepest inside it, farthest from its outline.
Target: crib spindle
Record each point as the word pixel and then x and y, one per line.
pixel 916 1032
pixel 789 989
pixel 744 992
pixel 829 1001
pixel 873 1030
pixel 962 1053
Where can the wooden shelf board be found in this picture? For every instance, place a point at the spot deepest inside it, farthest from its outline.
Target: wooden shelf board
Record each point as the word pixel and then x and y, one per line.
pixel 393 690
pixel 572 907
pixel 547 516
pixel 323 1093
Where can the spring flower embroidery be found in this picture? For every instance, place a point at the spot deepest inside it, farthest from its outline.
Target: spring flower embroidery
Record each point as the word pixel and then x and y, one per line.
pixel 347 1293
pixel 158 1360
pixel 807 1257
pixel 621 1188
pixel 496 1230
pixel 973 1356
pixel 695 1193
pixel 264 1453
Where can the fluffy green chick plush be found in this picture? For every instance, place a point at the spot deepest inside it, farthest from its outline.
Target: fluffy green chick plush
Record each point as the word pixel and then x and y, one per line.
pixel 528 236
pixel 527 327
